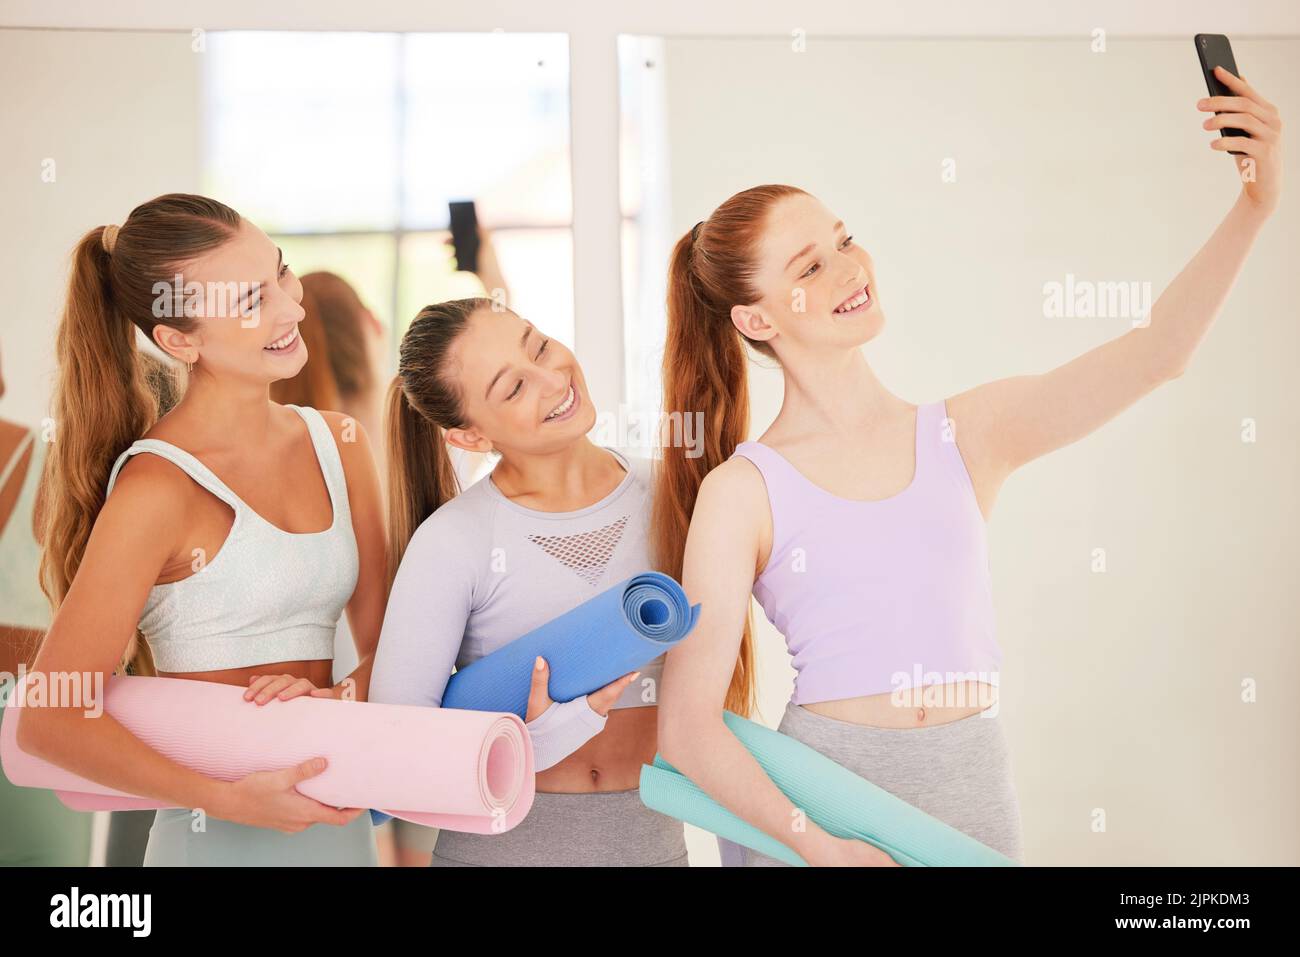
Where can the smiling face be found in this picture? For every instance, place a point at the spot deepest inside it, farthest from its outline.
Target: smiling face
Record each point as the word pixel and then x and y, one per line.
pixel 520 390
pixel 817 285
pixel 249 305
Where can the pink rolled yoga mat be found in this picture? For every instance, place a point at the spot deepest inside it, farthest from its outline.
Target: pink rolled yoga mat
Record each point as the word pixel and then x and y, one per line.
pixel 460 770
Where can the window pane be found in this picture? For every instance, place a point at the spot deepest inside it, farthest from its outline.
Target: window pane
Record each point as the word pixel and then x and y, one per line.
pixel 364 261
pixel 487 119
pixel 429 275
pixel 537 265
pixel 301 128
pixel 644 328
pixel 641 108
pixel 647 234
pixel 347 147
pixel 538 268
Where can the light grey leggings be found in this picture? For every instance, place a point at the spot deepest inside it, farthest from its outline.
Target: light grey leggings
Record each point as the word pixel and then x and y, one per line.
pixel 959 772
pixel 587 829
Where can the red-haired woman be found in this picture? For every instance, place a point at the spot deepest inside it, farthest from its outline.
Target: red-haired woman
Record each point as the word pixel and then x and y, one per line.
pixel 858 518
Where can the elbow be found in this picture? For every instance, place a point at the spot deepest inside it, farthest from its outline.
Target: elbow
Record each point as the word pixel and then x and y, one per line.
pixel 1173 370
pixel 668 735
pixel 1157 360
pixel 680 738
pixel 668 750
pixel 32 735
pixel 1164 370
pixel 46 732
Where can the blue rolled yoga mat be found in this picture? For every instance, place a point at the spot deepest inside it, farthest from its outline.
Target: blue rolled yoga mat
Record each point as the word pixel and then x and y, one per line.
pixel 840 802
pixel 618 631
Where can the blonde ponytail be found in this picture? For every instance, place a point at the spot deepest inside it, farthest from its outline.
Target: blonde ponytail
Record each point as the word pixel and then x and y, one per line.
pixel 103 400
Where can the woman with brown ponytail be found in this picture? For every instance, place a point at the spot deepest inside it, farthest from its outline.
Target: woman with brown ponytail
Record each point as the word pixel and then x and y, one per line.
pixel 557 521
pixel 858 519
pixel 230 549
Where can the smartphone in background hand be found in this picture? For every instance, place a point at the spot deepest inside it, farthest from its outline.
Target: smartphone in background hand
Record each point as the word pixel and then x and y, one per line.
pixel 1215 50
pixel 464 234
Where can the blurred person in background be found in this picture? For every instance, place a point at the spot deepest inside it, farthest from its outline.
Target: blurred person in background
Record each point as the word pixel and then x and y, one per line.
pixel 36 830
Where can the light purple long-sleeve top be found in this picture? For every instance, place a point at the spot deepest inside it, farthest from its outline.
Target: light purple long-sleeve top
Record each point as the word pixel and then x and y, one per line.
pixel 482 571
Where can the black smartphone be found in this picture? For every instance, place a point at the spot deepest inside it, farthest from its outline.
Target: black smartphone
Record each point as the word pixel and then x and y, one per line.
pixel 464 234
pixel 1215 50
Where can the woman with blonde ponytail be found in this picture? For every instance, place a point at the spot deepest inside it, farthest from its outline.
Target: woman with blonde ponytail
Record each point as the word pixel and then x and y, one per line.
pixel 227 553
pixel 558 520
pixel 858 519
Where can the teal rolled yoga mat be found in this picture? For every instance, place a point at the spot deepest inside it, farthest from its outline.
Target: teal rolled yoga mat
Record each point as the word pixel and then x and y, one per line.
pixel 837 800
pixel 587 647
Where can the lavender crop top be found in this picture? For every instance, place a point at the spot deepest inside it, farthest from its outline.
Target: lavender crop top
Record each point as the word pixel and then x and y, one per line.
pixel 877 595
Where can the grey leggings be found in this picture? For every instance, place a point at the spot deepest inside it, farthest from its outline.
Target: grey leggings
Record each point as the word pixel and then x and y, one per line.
pixel 959 772
pixel 591 829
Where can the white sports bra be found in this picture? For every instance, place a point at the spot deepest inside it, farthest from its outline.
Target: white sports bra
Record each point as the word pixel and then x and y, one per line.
pixel 267 595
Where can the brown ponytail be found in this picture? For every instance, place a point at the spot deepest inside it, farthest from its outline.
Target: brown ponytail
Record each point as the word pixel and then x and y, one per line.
pixel 423 401
pixel 704 371
pixel 102 396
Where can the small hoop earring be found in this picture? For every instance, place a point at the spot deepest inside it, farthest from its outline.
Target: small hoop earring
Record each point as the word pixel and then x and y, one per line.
pixel 190 367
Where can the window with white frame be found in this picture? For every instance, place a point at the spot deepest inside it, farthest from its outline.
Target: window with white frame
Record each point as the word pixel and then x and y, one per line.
pixel 644 199
pixel 346 148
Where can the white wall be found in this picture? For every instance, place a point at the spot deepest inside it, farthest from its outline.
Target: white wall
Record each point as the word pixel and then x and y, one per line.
pixel 1120 690
pixel 125 130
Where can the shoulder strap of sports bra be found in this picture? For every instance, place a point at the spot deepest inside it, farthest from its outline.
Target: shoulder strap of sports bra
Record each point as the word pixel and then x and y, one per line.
pixel 932 428
pixel 787 489
pixel 15 459
pixel 327 453
pixel 183 460
pixel 777 472
pixel 937 442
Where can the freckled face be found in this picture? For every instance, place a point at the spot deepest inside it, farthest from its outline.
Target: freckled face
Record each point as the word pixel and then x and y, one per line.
pixel 818 285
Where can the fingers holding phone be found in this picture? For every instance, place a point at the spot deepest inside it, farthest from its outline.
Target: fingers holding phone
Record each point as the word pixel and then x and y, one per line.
pixel 474 252
pixel 1249 125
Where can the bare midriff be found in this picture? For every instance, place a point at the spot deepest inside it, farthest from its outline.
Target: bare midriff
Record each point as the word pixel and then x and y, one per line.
pixel 911 708
pixel 611 761
pixel 318 672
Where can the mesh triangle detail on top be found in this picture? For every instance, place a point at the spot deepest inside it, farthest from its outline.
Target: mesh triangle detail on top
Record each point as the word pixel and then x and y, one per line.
pixel 587 553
